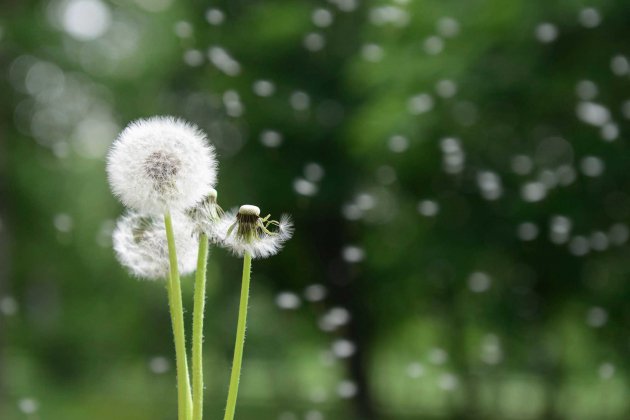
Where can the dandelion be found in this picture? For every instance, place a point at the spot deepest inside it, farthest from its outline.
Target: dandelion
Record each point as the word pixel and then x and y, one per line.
pixel 248 235
pixel 205 217
pixel 140 245
pixel 156 166
pixel 161 164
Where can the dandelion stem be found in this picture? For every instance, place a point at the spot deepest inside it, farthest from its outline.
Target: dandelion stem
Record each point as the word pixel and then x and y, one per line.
pixel 240 340
pixel 197 338
pixel 177 318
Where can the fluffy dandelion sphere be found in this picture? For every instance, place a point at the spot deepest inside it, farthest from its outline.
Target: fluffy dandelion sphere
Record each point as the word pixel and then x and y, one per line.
pixel 140 245
pixel 161 164
pixel 246 232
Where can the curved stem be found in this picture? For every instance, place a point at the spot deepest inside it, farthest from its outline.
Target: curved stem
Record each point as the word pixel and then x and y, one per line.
pixel 177 318
pixel 197 338
pixel 240 340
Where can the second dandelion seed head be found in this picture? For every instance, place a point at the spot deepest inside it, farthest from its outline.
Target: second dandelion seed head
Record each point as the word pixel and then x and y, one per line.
pixel 206 215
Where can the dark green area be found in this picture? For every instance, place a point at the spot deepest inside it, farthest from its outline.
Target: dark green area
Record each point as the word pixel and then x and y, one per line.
pixel 469 294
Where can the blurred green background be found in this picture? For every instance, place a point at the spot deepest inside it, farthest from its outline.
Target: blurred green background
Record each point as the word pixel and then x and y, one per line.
pixel 457 172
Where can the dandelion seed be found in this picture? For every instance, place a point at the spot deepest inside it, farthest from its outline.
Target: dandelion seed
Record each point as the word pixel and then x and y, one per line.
pixel 247 232
pixel 215 16
pixel 606 370
pixel 610 132
pixel 223 61
pixel 533 192
pixel 566 175
pixel 479 282
pixel 599 241
pixel 264 88
pixel 28 405
pixel 620 65
pixel 322 18
pixel 447 27
pixel 491 352
pixel 313 415
pixel 334 318
pixel 490 185
pixel 619 234
pixel 8 305
pixel 448 382
pixel 596 317
pixel 305 187
pixel 270 138
pixel 433 45
pixel 592 166
pixel 233 105
pixel 314 41
pixel 546 32
pixel 141 246
pixel 559 229
pixel 159 365
pixel 314 172
pixel 438 356
pixel 193 58
pixel 161 163
pixel 579 246
pixel 398 143
pixel 300 101
pixel 415 370
pixel 589 17
pixel 527 231
pixel 85 20
pixel 347 389
pixel 353 254
pixel 586 90
pixel 63 222
pixel 446 88
pixel 419 104
pixel 343 348
pixel 183 29
pixel 593 113
pixel 288 300
pixel 428 208
pixel 315 292
pixel 372 53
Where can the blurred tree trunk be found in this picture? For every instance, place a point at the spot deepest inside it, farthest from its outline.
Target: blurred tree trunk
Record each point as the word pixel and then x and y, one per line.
pixel 341 281
pixel 4 242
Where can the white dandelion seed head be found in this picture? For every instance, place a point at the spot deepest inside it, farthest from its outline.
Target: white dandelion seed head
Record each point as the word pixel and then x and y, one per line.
pixel 161 163
pixel 246 232
pixel 140 245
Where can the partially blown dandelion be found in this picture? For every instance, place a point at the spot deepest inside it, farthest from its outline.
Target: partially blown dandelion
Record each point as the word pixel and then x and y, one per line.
pixel 248 235
pixel 140 245
pixel 161 164
pixel 246 232
pixel 206 216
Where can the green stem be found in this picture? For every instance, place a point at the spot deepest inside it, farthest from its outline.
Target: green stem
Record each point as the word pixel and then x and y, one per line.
pixel 197 343
pixel 240 340
pixel 177 318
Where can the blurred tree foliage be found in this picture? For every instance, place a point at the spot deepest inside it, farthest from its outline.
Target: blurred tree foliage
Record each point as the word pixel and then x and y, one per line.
pixel 457 173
